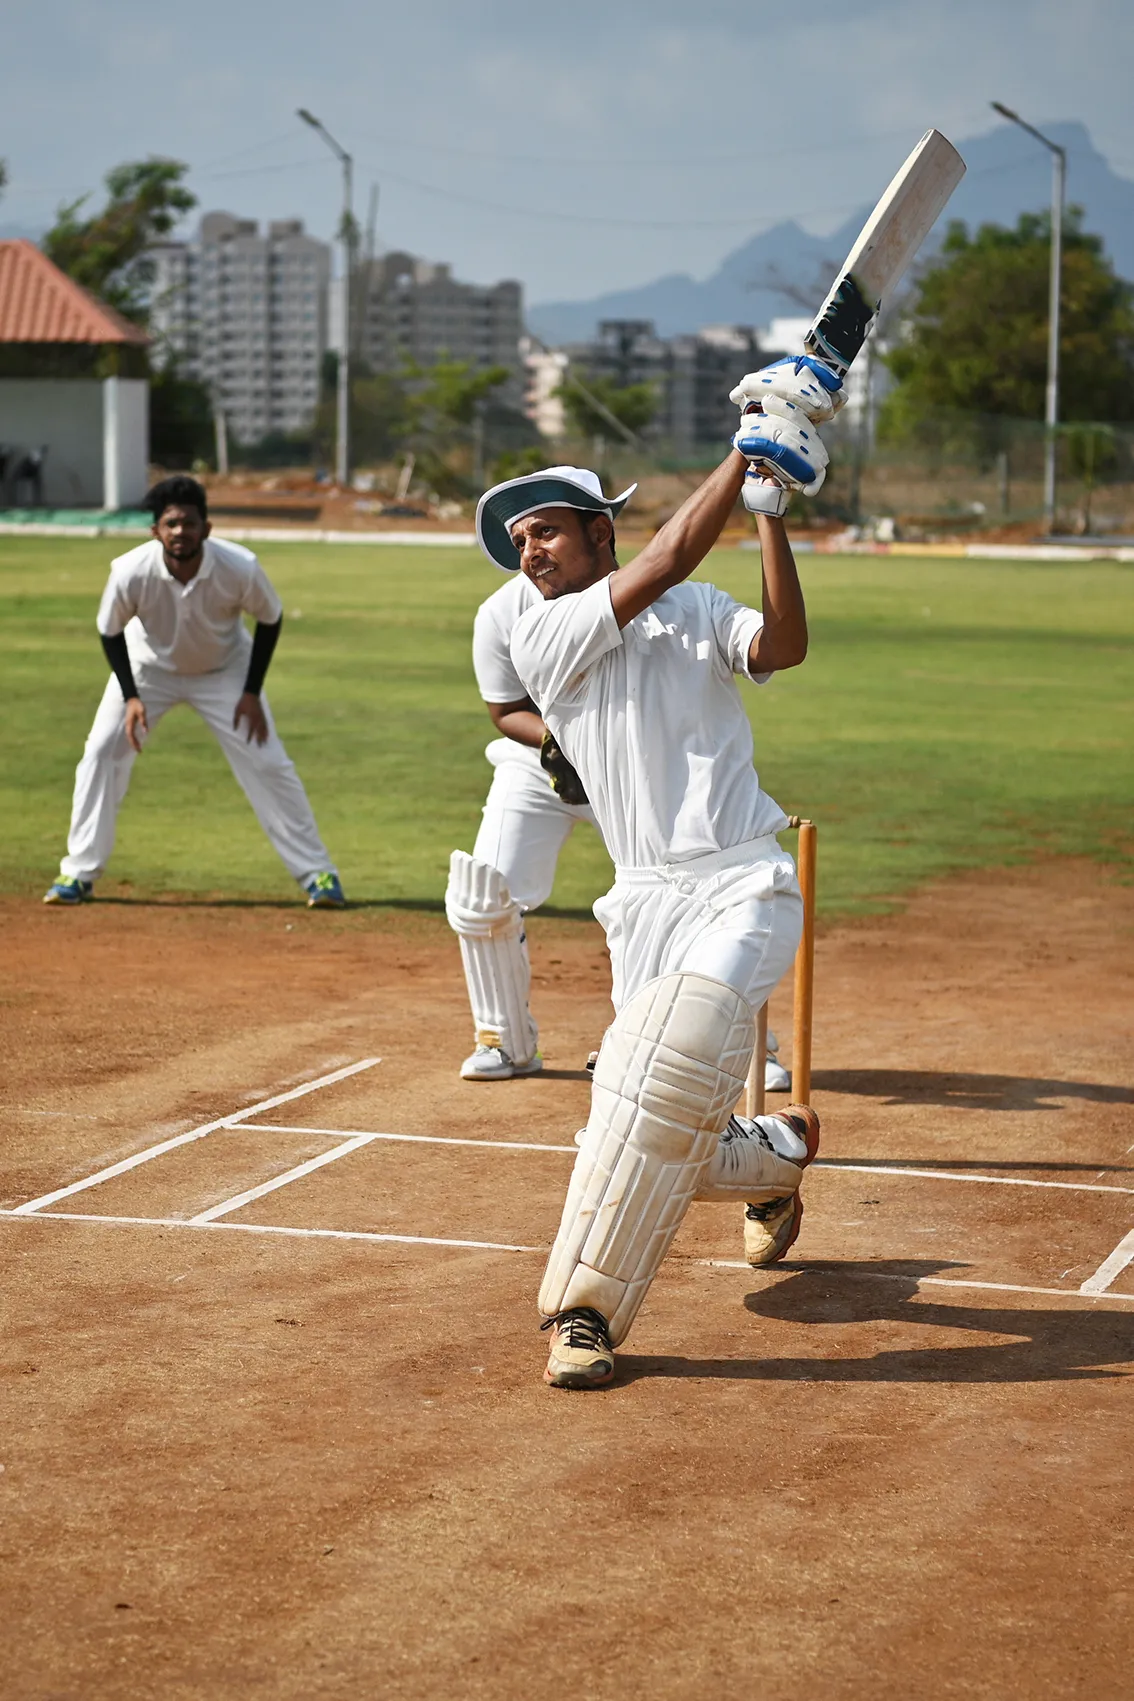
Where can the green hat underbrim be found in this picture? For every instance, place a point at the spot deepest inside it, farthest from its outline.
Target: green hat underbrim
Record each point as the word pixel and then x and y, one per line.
pixel 499 510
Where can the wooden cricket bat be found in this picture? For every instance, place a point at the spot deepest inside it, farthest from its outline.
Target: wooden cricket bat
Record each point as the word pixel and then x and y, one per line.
pixel 890 238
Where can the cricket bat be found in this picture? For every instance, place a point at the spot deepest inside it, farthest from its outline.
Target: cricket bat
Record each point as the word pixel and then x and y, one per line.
pixel 890 238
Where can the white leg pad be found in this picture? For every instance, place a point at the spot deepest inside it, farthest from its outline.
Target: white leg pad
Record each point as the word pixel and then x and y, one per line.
pixel 757 1158
pixel 494 952
pixel 672 1066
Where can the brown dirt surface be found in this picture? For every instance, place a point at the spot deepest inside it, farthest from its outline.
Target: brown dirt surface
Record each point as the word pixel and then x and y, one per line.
pixel 239 1463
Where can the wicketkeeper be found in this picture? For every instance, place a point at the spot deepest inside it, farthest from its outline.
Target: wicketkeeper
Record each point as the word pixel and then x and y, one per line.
pixel 171 626
pixel 633 672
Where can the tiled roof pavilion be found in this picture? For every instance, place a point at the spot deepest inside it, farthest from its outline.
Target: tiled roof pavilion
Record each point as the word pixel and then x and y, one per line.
pixel 41 304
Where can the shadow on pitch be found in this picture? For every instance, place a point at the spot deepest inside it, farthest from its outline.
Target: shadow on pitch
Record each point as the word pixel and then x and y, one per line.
pixel 988 1343
pixel 965 1092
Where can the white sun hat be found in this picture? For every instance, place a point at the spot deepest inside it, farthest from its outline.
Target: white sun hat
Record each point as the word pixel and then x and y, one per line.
pixel 553 487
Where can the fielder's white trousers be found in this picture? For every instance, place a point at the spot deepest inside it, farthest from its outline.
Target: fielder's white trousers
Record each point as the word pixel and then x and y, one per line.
pixel 265 772
pixel 735 916
pixel 524 825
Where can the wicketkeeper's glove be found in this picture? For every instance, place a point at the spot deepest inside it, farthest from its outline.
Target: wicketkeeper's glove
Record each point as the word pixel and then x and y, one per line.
pixel 808 383
pixel 565 782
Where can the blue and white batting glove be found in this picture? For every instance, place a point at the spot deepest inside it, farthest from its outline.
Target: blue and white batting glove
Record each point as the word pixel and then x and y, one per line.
pixel 783 444
pixel 800 379
pixel 763 494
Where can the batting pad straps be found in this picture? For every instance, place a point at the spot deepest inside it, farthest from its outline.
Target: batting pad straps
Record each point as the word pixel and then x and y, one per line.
pixel 494 953
pixel 672 1065
pixel 760 1157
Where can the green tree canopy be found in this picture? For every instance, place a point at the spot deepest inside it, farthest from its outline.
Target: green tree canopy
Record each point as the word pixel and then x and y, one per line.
pixel 976 338
pixel 107 251
pixel 633 405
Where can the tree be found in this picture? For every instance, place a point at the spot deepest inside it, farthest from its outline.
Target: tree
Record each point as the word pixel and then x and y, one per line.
pixel 633 405
pixel 976 337
pixel 107 252
pixel 445 411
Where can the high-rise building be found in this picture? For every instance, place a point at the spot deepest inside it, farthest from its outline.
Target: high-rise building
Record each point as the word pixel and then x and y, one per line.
pixel 415 310
pixel 246 314
pixel 691 377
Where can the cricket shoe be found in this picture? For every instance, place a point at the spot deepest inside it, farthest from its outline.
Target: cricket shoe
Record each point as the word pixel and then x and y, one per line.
pixel 66 890
pixel 324 892
pixel 492 1063
pixel 771 1228
pixel 581 1353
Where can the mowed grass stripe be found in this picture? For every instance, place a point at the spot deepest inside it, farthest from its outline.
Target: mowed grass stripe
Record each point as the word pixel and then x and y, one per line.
pixel 950 715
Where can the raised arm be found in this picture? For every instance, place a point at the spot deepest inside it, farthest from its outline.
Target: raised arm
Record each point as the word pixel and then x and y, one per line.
pixel 782 640
pixel 681 544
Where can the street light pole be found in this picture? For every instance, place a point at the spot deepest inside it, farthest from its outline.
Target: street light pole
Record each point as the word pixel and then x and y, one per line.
pixel 342 423
pixel 1051 405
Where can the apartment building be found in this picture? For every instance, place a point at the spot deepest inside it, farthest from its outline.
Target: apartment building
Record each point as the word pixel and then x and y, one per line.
pixel 246 314
pixel 692 376
pixel 415 310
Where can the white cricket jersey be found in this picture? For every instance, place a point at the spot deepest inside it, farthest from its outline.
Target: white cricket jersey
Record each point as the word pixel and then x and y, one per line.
pixel 496 678
pixel 651 717
pixel 193 628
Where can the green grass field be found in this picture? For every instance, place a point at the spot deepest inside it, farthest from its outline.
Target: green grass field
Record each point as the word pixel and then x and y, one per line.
pixel 950 715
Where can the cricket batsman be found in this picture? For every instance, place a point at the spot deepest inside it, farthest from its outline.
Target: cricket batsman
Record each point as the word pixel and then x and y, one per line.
pixel 171 626
pixel 534 803
pixel 633 672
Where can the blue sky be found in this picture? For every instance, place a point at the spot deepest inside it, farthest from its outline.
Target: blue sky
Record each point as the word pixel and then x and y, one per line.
pixel 580 148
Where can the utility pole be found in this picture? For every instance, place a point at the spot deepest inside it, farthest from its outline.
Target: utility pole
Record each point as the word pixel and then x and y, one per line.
pixel 346 237
pixel 1051 407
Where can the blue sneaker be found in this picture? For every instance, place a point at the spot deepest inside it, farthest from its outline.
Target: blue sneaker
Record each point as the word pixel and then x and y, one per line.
pixel 69 891
pixel 324 892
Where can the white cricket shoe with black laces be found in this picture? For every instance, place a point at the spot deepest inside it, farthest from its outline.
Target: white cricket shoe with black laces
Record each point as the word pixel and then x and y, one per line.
pixel 581 1354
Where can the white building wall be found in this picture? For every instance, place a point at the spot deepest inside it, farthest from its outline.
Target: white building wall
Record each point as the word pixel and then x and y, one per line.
pixel 125 443
pixel 65 417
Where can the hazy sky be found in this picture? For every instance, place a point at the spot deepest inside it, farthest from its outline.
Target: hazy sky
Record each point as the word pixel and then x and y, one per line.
pixel 579 147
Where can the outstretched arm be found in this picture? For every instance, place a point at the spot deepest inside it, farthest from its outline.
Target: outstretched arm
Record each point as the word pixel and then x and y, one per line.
pixel 681 544
pixel 782 640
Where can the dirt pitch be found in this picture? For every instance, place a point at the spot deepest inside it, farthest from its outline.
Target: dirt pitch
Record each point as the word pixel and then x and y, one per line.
pixel 292 1465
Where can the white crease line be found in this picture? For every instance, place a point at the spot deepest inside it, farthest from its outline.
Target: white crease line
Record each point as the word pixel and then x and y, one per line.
pixel 1111 1267
pixel 929 1281
pixel 820 1163
pixel 953 1175
pixel 504 1246
pixel 417 1139
pixel 246 1198
pixel 276 1228
pixel 151 1152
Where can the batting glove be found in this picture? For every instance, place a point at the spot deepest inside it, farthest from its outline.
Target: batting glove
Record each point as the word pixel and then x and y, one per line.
pixel 784 445
pixel 764 495
pixel 802 380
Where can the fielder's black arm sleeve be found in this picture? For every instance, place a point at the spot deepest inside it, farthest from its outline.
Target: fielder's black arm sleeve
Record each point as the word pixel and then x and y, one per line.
pixel 119 658
pixel 263 643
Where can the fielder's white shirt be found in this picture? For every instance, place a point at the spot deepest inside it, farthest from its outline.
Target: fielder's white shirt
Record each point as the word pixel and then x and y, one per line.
pixel 496 677
pixel 651 717
pixel 193 628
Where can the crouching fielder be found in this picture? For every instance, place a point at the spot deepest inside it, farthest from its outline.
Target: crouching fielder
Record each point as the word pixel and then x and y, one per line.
pixel 633 672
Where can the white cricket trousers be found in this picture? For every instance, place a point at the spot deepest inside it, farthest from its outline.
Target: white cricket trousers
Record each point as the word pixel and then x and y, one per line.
pixel 265 772
pixel 524 825
pixel 735 916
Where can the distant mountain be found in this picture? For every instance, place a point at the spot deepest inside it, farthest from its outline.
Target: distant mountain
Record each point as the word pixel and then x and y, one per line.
pixel 1007 174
